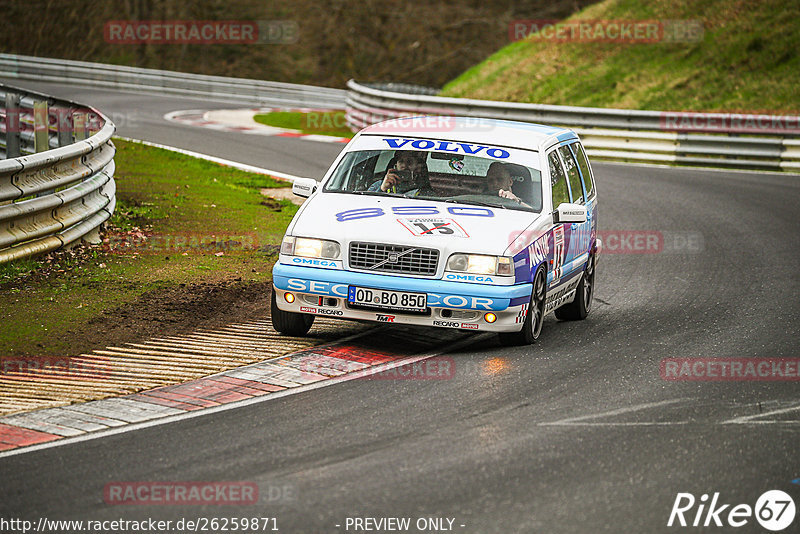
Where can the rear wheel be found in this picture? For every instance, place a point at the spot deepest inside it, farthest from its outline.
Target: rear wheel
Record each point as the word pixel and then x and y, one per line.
pixel 289 323
pixel 579 308
pixel 532 326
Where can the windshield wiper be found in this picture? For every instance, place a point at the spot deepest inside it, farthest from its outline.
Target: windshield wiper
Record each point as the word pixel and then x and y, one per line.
pixel 473 202
pixel 371 193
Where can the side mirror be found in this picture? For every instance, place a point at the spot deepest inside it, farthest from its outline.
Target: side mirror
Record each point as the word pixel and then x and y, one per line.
pixel 569 213
pixel 304 187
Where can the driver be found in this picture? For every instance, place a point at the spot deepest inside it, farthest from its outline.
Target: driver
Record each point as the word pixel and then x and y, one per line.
pixel 406 160
pixel 499 182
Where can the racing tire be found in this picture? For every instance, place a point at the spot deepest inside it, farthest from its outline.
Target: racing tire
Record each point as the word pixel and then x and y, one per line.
pixel 578 309
pixel 532 326
pixel 289 323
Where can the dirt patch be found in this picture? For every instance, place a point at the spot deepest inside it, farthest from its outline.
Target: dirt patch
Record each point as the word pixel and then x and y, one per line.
pixel 172 311
pixel 272 204
pixel 282 193
pixel 161 311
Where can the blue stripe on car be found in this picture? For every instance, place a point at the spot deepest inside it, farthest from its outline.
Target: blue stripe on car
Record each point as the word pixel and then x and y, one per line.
pixel 440 293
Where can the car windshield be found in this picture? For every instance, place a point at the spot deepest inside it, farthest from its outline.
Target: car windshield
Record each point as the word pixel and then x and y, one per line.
pixel 441 176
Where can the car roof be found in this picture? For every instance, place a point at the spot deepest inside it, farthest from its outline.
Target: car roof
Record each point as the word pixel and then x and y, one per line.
pixel 514 134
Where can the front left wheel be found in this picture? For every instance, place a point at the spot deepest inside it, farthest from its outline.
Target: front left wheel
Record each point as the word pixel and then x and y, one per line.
pixel 532 326
pixel 289 323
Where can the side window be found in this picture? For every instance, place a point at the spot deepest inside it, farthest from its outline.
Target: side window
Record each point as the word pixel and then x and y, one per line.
pixel 558 180
pixel 573 175
pixel 586 172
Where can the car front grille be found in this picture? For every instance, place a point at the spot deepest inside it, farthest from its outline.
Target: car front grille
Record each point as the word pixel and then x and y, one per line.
pixel 419 261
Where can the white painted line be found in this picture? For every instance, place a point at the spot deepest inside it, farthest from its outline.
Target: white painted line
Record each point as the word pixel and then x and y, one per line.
pixel 239 118
pixel 246 402
pixel 644 423
pixel 221 161
pixel 751 418
pixel 611 413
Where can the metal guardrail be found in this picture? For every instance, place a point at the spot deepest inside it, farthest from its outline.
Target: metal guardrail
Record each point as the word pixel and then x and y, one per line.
pixel 57 184
pixel 614 134
pixel 245 90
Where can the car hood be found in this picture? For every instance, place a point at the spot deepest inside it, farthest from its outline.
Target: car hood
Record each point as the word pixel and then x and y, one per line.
pixel 445 226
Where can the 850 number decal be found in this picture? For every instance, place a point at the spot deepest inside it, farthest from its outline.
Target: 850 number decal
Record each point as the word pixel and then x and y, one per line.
pixel 366 213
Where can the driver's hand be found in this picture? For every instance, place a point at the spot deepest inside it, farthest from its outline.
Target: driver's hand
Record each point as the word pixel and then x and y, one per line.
pixel 390 180
pixel 509 195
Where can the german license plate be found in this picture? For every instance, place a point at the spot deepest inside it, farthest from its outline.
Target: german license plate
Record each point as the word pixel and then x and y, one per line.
pixel 391 300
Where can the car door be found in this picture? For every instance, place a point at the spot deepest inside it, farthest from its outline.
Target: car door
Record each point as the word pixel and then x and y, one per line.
pixel 578 234
pixel 560 194
pixel 589 188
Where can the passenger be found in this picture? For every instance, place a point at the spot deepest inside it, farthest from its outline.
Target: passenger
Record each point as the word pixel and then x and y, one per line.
pixel 393 182
pixel 499 182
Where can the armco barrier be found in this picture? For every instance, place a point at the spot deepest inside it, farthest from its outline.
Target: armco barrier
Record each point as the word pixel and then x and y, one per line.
pixel 615 134
pixel 240 90
pixel 60 186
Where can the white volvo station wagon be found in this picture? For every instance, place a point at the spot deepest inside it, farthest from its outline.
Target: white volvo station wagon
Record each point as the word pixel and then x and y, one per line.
pixel 472 224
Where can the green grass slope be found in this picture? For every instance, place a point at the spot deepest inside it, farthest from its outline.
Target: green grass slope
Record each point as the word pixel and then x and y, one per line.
pixel 747 61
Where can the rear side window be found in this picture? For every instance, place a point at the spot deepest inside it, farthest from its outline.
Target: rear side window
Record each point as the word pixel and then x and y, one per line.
pixel 558 180
pixel 573 175
pixel 585 171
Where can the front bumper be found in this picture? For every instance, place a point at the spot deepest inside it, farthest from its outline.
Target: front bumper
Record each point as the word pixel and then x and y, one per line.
pixel 459 305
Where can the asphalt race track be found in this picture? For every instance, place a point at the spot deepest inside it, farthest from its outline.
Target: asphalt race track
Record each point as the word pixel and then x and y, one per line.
pixel 578 433
pixel 141 116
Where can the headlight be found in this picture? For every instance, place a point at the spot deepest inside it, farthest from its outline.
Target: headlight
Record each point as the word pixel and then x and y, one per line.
pixel 480 264
pixel 310 248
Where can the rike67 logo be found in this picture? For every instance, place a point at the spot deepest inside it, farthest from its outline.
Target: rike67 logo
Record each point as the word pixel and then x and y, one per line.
pixel 774 510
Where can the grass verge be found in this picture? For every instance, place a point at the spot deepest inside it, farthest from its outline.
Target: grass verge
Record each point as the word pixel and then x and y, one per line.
pixel 331 123
pixel 746 61
pixel 185 233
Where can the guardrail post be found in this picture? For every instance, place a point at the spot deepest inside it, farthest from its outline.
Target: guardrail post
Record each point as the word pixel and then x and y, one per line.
pixel 12 126
pixel 79 124
pixel 93 123
pixel 41 127
pixel 41 133
pixel 64 126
